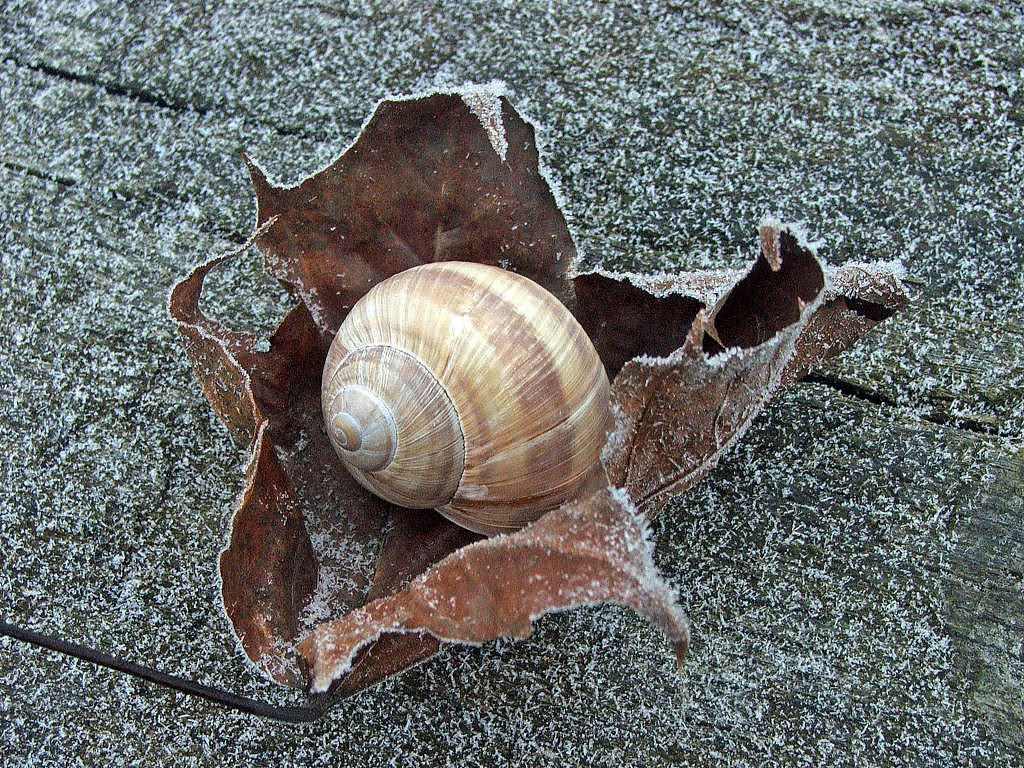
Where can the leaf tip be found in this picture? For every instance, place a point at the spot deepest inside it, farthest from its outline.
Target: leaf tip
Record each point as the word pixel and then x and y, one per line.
pixel 681 646
pixel 258 176
pixel 770 246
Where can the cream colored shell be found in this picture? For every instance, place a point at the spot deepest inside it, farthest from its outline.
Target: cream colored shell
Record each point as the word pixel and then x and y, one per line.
pixel 469 389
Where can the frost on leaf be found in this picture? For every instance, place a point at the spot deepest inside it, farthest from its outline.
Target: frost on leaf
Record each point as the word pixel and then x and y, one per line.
pixel 306 540
pixel 485 102
pixel 631 315
pixel 724 344
pixel 329 586
pixel 590 551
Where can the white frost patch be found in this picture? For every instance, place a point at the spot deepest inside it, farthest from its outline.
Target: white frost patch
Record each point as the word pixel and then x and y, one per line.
pixel 320 607
pixel 484 101
pixel 705 286
pixel 617 436
pixel 866 280
pixel 894 268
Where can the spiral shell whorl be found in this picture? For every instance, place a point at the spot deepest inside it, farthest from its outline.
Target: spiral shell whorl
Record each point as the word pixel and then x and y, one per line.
pixel 392 423
pixel 499 399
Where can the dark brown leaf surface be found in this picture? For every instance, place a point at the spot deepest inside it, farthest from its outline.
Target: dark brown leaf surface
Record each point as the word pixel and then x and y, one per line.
pixel 269 547
pixel 447 177
pixel 694 357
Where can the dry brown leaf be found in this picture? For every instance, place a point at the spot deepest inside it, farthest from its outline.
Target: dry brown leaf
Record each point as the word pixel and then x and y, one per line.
pixel 681 399
pixel 591 551
pixel 269 546
pixel 631 315
pixel 675 415
pixel 694 358
pixel 445 177
pixel 275 582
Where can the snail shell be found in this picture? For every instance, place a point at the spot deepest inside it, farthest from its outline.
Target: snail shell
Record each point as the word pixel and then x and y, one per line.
pixel 468 389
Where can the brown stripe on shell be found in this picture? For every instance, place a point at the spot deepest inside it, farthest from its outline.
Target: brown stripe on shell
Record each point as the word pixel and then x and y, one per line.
pixel 537 469
pixel 554 456
pixel 539 474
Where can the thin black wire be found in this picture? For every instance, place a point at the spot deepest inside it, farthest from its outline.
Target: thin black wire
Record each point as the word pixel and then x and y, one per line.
pixel 289 714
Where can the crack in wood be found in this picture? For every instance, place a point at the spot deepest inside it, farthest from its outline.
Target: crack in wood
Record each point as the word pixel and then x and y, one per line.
pixel 859 392
pixel 114 89
pixel 39 173
pixel 142 96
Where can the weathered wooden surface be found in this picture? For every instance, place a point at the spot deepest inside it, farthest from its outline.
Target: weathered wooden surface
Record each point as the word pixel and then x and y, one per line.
pixel 854 571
